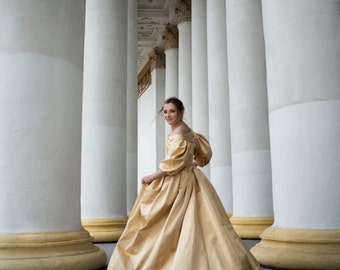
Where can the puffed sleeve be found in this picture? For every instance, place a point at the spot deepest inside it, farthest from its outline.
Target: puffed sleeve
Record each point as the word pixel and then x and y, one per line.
pixel 175 162
pixel 203 153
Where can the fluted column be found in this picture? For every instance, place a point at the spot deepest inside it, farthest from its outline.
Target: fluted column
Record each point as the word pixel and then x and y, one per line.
pixel 303 66
pixel 170 37
pixel 219 120
pixel 131 158
pixel 103 198
pixel 252 187
pixel 183 11
pixel 41 70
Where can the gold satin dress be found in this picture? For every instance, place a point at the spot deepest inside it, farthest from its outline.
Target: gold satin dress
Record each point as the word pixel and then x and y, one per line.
pixel 178 222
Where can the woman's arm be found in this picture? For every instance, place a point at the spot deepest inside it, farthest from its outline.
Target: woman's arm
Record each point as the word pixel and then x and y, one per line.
pixel 149 178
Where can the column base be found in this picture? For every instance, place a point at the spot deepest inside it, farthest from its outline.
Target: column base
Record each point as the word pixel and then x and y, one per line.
pixel 298 248
pixel 105 229
pixel 67 250
pixel 251 227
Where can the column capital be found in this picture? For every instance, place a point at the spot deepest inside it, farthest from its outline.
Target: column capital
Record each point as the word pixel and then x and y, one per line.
pixel 170 36
pixel 157 58
pixel 183 10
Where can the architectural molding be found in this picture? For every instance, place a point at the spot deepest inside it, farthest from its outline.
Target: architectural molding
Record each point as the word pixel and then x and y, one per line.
pixel 152 16
pixel 156 60
pixel 251 227
pixel 67 250
pixel 291 248
pixel 105 229
pixel 170 36
pixel 183 10
pixel 144 79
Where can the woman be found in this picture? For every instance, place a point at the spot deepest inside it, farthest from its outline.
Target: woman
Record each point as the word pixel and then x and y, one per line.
pixel 178 221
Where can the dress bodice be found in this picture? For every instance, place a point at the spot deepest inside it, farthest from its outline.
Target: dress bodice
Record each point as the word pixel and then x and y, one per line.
pixel 183 149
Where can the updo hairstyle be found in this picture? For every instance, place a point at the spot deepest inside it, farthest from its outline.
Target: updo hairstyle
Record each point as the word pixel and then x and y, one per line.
pixel 178 103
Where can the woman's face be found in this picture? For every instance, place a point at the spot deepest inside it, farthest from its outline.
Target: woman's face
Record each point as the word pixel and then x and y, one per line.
pixel 171 114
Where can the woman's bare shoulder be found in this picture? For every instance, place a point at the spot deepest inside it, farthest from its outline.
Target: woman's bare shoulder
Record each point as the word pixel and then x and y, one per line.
pixel 182 129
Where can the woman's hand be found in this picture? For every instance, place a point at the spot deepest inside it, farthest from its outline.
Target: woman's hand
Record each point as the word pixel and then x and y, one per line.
pixel 147 179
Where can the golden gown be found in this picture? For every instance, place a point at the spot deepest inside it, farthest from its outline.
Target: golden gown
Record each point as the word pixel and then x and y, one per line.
pixel 178 222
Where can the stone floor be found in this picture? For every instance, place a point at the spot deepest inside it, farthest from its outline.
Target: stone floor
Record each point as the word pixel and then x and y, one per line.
pixel 109 247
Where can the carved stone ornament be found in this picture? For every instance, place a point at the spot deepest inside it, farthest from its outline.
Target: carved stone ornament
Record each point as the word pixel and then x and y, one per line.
pixel 157 58
pixel 144 79
pixel 183 10
pixel 170 36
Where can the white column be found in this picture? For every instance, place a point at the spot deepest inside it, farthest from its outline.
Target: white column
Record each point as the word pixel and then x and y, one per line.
pixel 131 111
pixel 303 66
pixel 183 11
pixel 252 187
pixel 171 74
pixel 170 37
pixel 200 112
pixel 104 120
pixel 151 128
pixel 157 58
pixel 219 120
pixel 41 70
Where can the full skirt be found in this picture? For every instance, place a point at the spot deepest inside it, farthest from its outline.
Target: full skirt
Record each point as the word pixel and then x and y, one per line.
pixel 179 223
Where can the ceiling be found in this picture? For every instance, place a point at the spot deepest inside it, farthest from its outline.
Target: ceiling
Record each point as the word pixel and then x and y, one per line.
pixel 153 15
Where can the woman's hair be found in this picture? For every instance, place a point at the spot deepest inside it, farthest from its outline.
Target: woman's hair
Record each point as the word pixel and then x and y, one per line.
pixel 178 103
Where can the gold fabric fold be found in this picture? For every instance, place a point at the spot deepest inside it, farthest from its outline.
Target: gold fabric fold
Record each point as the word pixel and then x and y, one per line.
pixel 178 222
